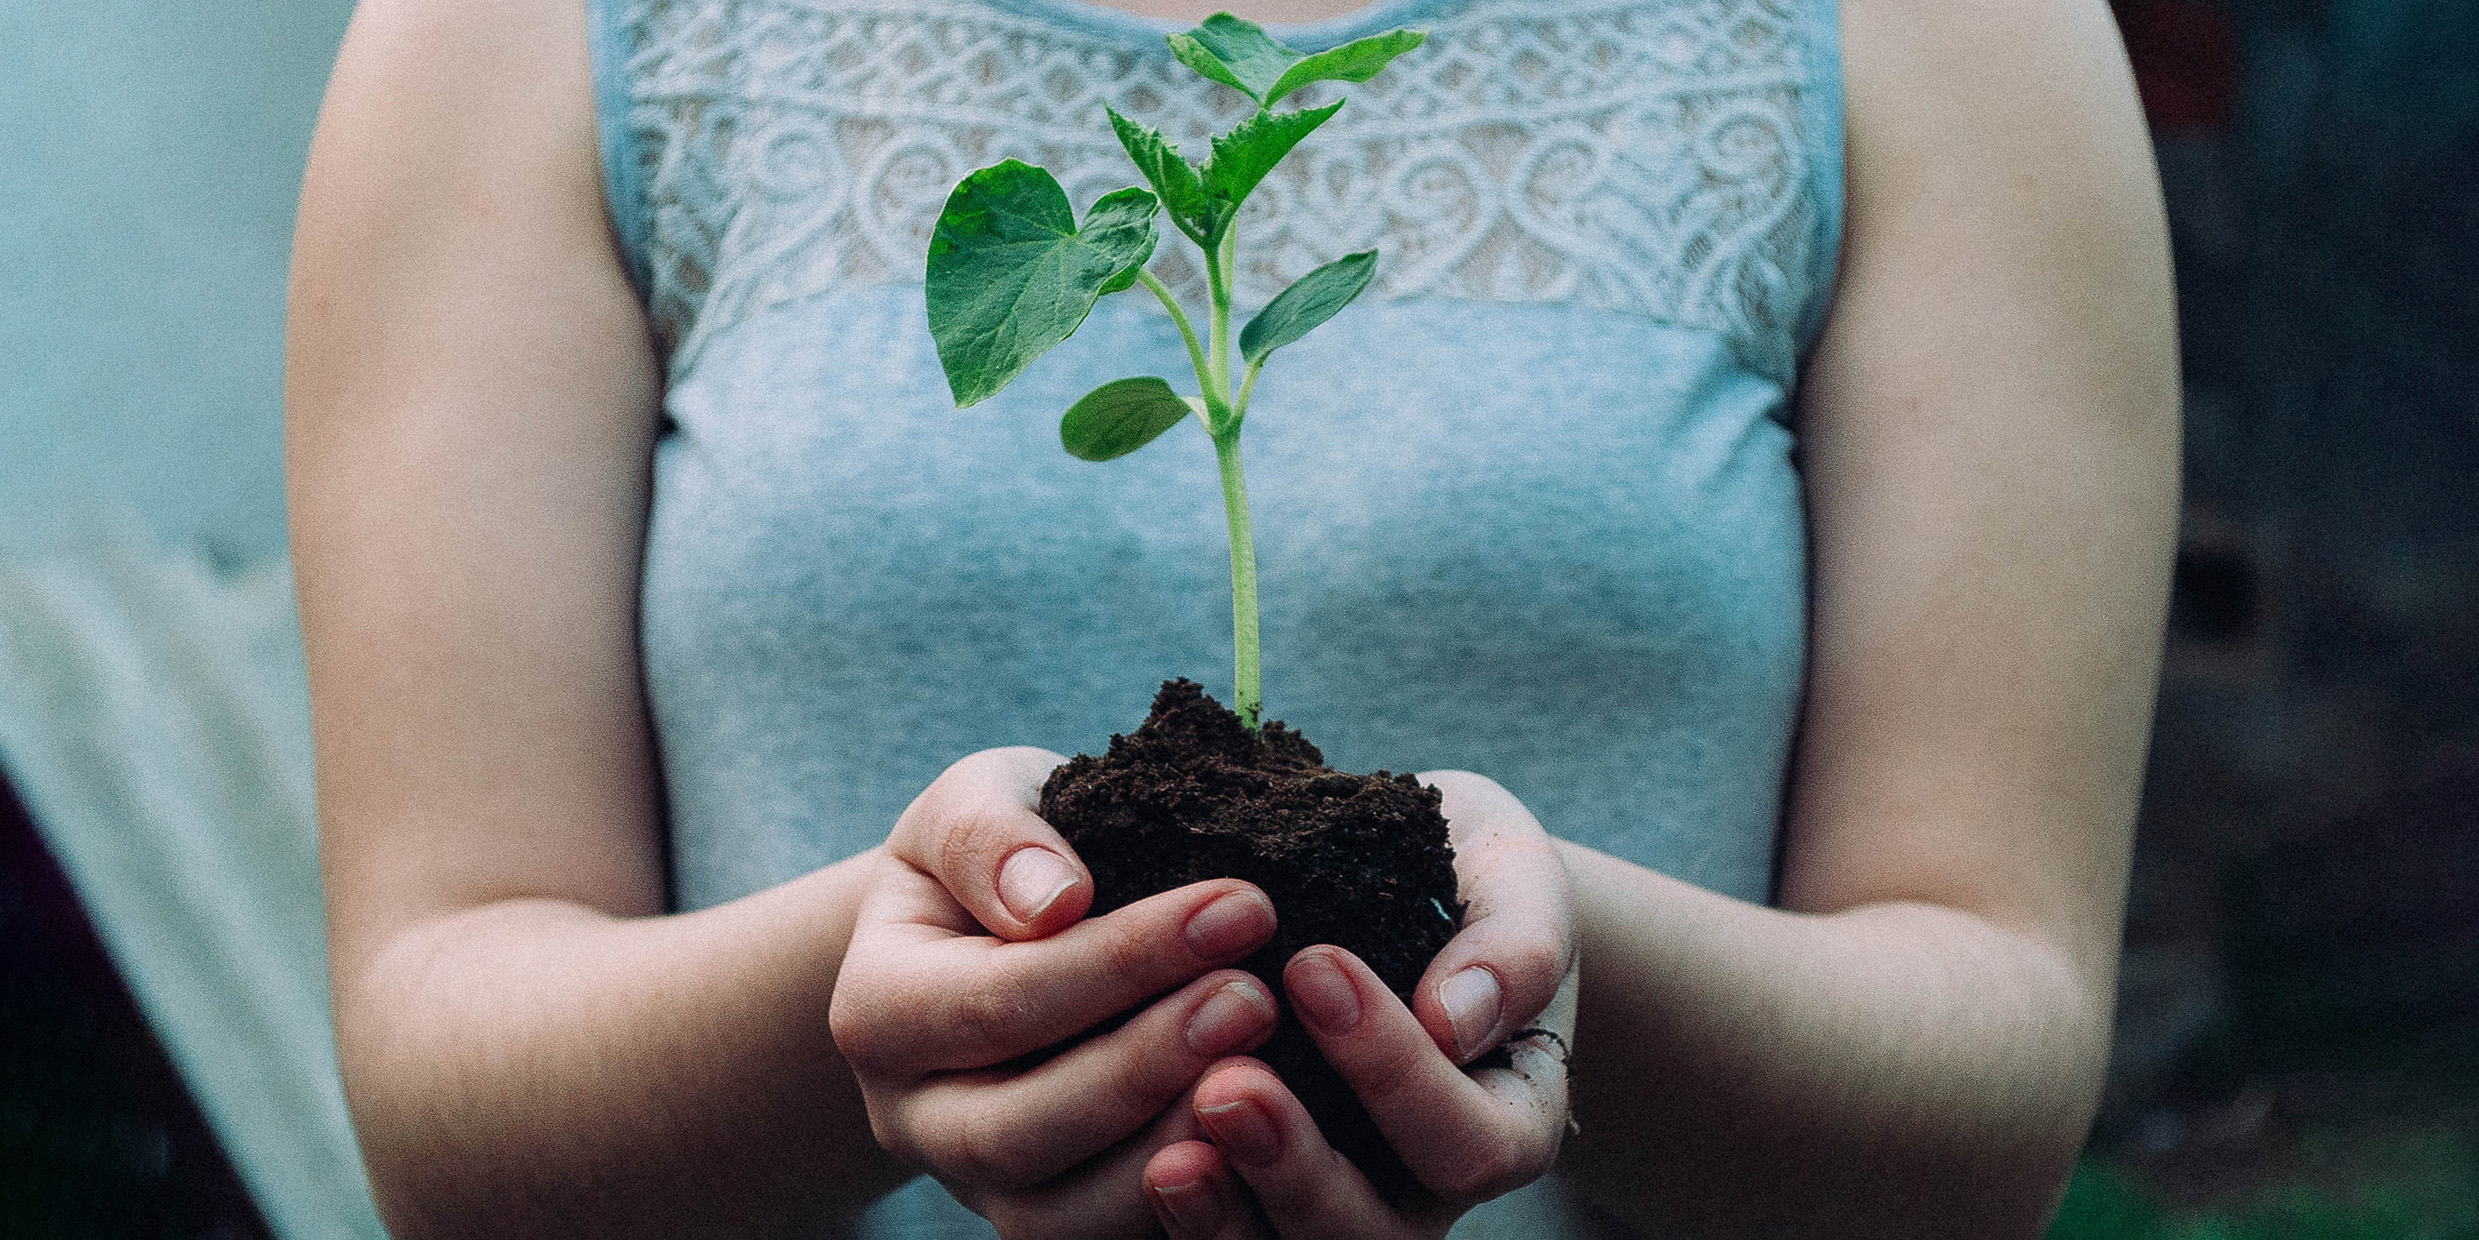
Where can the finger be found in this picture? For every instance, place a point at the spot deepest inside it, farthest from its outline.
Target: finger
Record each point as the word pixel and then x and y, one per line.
pixel 1196 1197
pixel 975 831
pixel 1011 1130
pixel 1467 1137
pixel 1306 1189
pixel 915 999
pixel 1103 1198
pixel 1500 972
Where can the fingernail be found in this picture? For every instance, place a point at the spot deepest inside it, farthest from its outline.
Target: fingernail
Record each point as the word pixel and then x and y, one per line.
pixel 1470 998
pixel 1231 926
pixel 1229 1017
pixel 1323 995
pixel 1193 1208
pixel 1244 1131
pixel 1031 879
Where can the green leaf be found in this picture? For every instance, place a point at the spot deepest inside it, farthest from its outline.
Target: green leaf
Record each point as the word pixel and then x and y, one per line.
pixel 1243 156
pixel 1119 417
pixel 1235 52
pixel 1310 301
pixel 1171 175
pixel 1241 55
pixel 1010 275
pixel 1356 61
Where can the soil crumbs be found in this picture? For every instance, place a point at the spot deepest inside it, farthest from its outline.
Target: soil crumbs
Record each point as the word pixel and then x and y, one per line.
pixel 1357 861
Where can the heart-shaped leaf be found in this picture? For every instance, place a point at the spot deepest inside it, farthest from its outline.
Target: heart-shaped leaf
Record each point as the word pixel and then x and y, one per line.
pixel 1235 52
pixel 1310 301
pixel 1243 156
pixel 1119 417
pixel 1171 175
pixel 1241 55
pixel 1356 61
pixel 1010 275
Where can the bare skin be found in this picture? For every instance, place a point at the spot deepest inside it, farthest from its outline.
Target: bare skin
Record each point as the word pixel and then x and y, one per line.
pixel 960 965
pixel 1909 1046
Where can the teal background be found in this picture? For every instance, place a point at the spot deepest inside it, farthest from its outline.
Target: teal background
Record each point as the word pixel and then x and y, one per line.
pixel 150 155
pixel 2320 710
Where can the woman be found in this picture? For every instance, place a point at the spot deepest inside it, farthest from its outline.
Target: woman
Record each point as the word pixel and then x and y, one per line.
pixel 1617 484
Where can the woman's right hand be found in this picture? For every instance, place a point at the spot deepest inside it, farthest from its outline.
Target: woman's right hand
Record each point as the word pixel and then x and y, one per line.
pixel 969 1001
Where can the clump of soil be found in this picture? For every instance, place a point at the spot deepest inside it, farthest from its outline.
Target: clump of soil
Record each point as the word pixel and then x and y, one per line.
pixel 1358 861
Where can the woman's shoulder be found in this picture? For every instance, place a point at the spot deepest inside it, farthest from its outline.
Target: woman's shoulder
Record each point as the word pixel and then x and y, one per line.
pixel 1998 160
pixel 438 88
pixel 2042 84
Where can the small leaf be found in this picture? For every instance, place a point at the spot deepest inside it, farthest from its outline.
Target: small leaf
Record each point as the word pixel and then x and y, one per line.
pixel 1243 156
pixel 1010 275
pixel 1119 417
pixel 1310 301
pixel 1121 222
pixel 1170 174
pixel 1235 52
pixel 1356 61
pixel 1191 53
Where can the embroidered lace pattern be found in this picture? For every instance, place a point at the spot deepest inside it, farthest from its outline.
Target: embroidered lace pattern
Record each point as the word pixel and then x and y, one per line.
pixel 1636 155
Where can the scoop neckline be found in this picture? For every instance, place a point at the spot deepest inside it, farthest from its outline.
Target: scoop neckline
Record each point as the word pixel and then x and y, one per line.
pixel 1316 36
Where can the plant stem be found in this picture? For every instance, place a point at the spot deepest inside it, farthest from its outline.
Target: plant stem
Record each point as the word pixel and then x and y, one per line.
pixel 1248 383
pixel 1216 378
pixel 1196 352
pixel 1217 326
pixel 1244 696
pixel 1219 271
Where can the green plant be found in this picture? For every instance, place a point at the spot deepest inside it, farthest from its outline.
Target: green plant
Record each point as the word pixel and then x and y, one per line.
pixel 1012 274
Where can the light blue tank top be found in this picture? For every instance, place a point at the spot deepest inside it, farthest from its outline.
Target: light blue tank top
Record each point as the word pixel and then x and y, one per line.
pixel 1529 508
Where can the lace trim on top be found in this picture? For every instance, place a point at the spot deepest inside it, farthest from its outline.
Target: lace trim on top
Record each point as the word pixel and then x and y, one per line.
pixel 1646 156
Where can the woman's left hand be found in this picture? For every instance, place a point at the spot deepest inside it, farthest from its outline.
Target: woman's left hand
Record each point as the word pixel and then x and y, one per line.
pixel 1466 1135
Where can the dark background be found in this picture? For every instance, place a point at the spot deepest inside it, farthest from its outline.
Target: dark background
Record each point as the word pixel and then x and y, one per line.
pixel 2298 1051
pixel 2299 1026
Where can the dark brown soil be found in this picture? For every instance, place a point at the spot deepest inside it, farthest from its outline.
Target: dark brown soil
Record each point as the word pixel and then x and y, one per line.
pixel 1358 861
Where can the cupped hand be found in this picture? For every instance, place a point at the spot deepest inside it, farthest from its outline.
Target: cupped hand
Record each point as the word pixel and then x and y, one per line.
pixel 975 1001
pixel 1261 1169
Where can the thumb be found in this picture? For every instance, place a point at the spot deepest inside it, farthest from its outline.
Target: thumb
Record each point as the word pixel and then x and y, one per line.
pixel 974 831
pixel 1517 946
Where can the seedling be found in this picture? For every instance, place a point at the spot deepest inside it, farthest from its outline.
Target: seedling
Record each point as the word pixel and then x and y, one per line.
pixel 1012 274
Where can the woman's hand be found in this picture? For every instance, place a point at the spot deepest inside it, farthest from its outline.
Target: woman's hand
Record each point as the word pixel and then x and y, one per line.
pixel 972 976
pixel 1467 1135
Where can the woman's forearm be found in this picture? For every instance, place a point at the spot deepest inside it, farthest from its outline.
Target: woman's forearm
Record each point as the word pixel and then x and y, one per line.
pixel 1895 1070
pixel 534 1067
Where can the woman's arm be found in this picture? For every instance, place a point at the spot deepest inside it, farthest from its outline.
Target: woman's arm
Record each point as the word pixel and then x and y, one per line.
pixel 1912 1045
pixel 471 401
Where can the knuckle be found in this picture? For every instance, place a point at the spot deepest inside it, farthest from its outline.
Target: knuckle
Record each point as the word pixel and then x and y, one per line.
pixel 972 832
pixel 1005 1218
pixel 987 1152
pixel 991 1014
pixel 1014 1220
pixel 1532 964
pixel 1391 1072
pixel 1128 952
pixel 890 1136
pixel 879 1024
pixel 895 1124
pixel 918 822
pixel 1477 1173
pixel 856 1032
pixel 1498 1164
pixel 1531 1158
pixel 1137 1081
